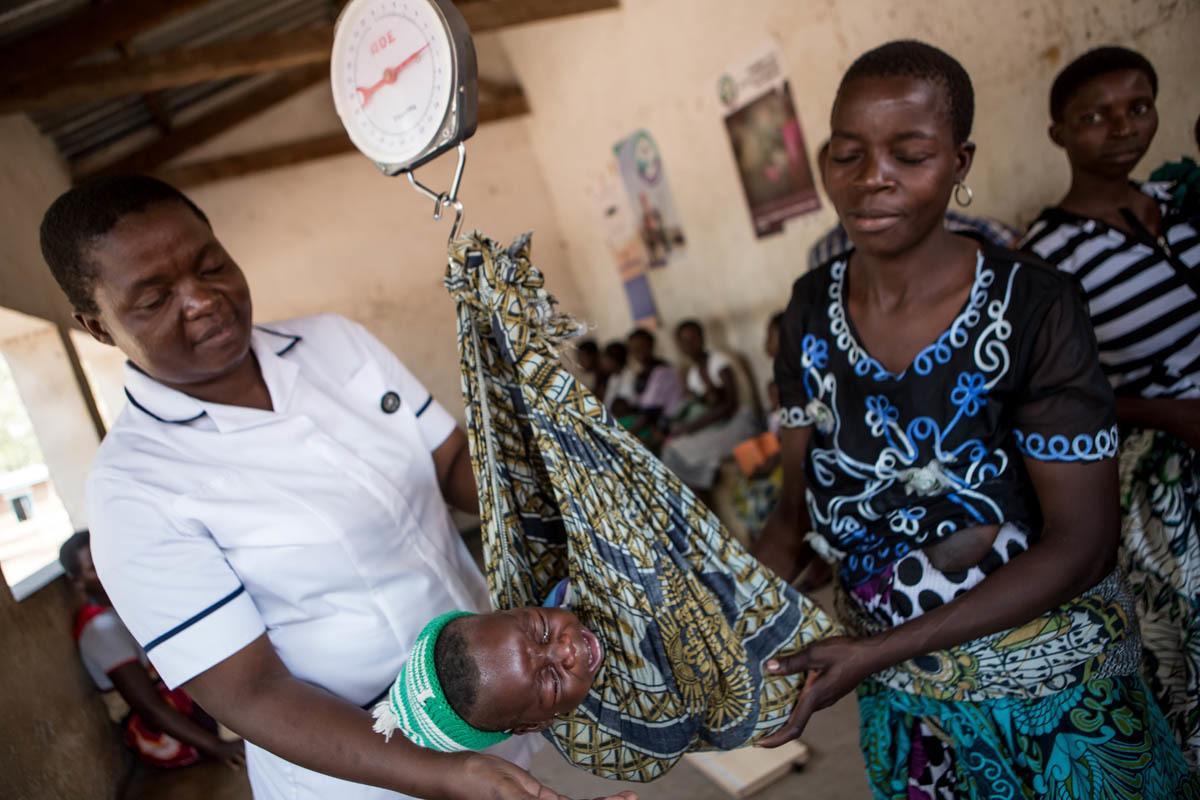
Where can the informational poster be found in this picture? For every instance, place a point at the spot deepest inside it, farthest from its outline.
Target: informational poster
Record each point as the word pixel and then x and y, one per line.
pixel 626 246
pixel 641 168
pixel 768 144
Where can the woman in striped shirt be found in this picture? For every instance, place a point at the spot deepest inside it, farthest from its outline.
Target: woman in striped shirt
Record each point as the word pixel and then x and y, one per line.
pixel 1135 250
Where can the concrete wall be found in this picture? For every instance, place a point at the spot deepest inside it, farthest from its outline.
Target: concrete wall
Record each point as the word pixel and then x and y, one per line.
pixel 56 742
pixel 31 176
pixel 55 406
pixel 655 64
pixel 335 235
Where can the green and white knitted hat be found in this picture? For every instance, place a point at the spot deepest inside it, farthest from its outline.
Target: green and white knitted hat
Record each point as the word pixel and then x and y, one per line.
pixel 417 706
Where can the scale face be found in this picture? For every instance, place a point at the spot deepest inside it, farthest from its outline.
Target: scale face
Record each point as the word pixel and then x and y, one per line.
pixel 403 75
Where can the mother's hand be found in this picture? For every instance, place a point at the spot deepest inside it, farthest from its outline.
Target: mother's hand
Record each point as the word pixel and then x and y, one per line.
pixel 835 667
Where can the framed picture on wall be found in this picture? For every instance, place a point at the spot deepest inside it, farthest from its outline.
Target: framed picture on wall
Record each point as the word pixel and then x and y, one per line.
pixel 768 143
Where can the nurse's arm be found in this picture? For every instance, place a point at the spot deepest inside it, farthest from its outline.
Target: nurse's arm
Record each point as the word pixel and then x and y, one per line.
pixel 253 693
pixel 452 460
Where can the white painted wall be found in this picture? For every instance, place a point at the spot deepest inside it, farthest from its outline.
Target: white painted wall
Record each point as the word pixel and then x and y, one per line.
pixel 31 176
pixel 655 64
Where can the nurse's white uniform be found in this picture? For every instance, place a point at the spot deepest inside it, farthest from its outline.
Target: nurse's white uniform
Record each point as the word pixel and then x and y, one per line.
pixel 320 523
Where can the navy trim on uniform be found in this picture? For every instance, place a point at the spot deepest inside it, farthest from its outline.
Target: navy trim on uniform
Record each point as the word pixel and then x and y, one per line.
pixel 295 338
pixel 424 407
pixel 181 627
pixel 148 412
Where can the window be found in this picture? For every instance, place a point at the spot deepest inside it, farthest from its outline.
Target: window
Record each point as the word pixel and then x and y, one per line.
pixel 48 437
pixel 33 519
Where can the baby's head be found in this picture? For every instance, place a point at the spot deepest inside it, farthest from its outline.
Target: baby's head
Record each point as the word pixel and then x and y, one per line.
pixel 473 679
pixel 516 670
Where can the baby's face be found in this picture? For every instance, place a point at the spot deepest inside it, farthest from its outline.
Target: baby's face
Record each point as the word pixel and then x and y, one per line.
pixel 534 663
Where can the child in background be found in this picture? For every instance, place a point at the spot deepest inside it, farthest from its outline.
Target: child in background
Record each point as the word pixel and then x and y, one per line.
pixel 163 728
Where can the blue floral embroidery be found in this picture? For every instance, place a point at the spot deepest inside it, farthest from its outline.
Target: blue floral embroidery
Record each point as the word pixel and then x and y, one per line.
pixel 880 412
pixel 971 392
pixel 815 352
pixel 928 457
pixel 1083 447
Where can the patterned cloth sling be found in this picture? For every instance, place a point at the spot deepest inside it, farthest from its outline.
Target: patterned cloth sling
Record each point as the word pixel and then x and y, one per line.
pixel 1093 636
pixel 687 616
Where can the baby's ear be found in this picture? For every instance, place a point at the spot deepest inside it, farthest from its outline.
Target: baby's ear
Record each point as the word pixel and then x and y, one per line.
pixel 523 728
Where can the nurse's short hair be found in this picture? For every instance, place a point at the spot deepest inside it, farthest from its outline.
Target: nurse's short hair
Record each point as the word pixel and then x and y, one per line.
pixel 1092 64
pixel 68 554
pixel 81 216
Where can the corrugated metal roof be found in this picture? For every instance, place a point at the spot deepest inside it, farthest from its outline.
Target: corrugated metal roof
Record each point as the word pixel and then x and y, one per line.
pixel 85 129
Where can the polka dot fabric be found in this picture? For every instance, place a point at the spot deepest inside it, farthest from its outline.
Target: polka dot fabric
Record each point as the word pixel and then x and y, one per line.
pixel 914 586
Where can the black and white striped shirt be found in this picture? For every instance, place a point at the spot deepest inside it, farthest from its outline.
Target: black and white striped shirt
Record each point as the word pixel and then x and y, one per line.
pixel 1143 295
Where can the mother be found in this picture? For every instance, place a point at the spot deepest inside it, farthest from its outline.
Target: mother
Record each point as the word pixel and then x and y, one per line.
pixel 946 416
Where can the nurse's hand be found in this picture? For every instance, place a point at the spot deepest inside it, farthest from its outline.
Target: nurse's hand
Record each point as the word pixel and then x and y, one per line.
pixel 485 777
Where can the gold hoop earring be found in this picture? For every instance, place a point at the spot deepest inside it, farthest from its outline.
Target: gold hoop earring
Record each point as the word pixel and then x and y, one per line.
pixel 959 188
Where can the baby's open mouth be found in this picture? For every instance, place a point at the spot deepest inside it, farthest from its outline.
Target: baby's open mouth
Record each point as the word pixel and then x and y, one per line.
pixel 594 648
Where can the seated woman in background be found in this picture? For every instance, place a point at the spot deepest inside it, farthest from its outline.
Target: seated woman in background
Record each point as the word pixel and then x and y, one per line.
pixel 1135 250
pixel 587 360
pixel 699 443
pixel 655 394
pixel 618 377
pixel 756 494
pixel 947 419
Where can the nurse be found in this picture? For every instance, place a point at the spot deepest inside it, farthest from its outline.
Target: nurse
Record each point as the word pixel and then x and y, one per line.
pixel 269 512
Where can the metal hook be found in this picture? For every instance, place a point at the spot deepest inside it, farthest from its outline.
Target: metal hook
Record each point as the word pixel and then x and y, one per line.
pixel 444 200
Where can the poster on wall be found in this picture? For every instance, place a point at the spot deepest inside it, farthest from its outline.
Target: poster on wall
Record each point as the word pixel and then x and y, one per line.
pixel 626 246
pixel 641 168
pixel 768 144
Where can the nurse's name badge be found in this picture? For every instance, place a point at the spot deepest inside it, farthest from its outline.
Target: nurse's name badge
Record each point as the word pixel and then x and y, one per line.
pixel 390 402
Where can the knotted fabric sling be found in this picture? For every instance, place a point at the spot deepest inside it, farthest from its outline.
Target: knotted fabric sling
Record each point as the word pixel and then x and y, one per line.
pixel 688 618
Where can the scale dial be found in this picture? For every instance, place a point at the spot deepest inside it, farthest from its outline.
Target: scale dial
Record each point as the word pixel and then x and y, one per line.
pixel 396 73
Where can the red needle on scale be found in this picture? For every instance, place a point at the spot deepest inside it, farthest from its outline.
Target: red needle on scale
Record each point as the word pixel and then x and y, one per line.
pixel 389 76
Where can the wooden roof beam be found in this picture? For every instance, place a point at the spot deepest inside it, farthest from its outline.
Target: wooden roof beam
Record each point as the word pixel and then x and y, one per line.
pixel 154 71
pixel 293 153
pixel 95 28
pixel 490 15
pixel 218 60
pixel 225 116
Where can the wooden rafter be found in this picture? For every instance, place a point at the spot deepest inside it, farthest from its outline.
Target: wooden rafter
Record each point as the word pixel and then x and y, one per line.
pixel 200 130
pixel 180 67
pixel 89 31
pixel 488 15
pixel 151 72
pixel 292 153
